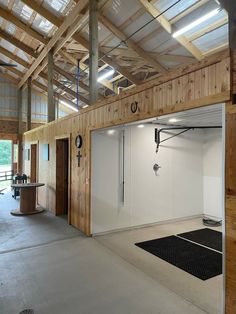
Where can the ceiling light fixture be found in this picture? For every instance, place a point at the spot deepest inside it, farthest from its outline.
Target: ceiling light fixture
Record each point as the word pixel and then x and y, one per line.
pixel 196 23
pixel 106 75
pixel 141 126
pixel 85 106
pixel 110 132
pixel 69 106
pixel 173 120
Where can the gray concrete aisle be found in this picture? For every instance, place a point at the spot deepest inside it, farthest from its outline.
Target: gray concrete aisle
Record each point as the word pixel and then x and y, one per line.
pixel 74 276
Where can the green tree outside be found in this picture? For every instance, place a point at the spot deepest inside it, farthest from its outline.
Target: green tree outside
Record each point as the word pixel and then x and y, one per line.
pixel 5 152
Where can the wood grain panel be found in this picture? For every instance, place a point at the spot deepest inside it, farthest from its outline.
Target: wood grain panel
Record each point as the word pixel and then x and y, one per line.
pixel 62 176
pixel 172 93
pixel 230 208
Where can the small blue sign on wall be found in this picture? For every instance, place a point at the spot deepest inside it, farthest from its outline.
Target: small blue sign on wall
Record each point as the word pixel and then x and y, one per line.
pixel 45 151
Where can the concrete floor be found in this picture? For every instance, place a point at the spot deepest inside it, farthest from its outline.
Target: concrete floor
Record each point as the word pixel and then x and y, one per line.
pixel 29 231
pixel 208 295
pixel 52 268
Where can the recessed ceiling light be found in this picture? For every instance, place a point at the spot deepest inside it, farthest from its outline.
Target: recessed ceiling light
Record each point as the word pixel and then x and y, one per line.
pixel 141 126
pixel 111 132
pixel 196 22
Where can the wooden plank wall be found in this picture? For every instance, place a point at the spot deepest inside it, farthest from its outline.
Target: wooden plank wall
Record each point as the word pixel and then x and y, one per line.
pixel 204 83
pixel 11 126
pixel 230 191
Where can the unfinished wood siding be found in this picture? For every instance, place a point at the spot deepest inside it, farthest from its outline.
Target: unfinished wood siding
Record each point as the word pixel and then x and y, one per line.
pixel 230 197
pixel 171 93
pixel 230 209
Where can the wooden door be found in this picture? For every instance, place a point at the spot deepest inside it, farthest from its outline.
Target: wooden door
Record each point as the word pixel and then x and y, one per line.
pixel 33 163
pixel 62 175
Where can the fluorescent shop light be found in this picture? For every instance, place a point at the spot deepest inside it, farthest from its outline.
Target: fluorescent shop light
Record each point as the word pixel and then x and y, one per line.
pixel 106 75
pixel 196 23
pixel 68 105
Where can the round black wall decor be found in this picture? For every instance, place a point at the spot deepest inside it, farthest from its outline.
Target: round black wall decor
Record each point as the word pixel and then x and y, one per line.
pixel 134 106
pixel 78 141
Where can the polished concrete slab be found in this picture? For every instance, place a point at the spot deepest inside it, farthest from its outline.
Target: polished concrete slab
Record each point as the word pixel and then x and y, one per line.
pixel 50 267
pixel 208 295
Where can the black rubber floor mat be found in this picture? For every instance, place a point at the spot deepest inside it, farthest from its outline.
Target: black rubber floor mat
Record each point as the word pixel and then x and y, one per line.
pixel 206 237
pixel 196 260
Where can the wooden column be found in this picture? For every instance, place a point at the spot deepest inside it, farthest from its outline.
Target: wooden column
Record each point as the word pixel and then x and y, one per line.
pixel 93 50
pixel 230 171
pixel 51 104
pixel 29 96
pixel 20 131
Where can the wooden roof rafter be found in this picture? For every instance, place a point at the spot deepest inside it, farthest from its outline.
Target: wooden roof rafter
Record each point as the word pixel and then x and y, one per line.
pixel 154 12
pixel 34 34
pixel 131 44
pixel 77 37
pixel 58 84
pixel 65 31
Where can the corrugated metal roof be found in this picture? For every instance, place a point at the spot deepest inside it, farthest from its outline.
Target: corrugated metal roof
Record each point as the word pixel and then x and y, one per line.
pixel 128 16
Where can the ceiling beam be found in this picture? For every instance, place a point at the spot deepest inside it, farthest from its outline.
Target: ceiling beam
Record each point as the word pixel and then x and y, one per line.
pixel 209 28
pixel 9 77
pixel 7 15
pixel 13 57
pixel 14 41
pixel 59 96
pixel 84 42
pixel 189 10
pixel 131 44
pixel 60 85
pixel 31 52
pixel 153 11
pixel 58 39
pixel 26 28
pixel 66 89
pixel 40 86
pixel 56 21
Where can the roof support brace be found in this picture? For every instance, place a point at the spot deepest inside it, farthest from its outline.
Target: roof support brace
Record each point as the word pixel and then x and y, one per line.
pixel 183 129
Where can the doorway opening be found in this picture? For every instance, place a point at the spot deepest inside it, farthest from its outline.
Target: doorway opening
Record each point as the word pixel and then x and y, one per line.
pixel 157 182
pixel 33 163
pixel 62 178
pixel 6 164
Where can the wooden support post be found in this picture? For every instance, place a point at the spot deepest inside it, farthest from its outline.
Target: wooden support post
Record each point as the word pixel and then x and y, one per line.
pixel 230 210
pixel 93 51
pixel 29 90
pixel 230 175
pixel 51 104
pixel 20 131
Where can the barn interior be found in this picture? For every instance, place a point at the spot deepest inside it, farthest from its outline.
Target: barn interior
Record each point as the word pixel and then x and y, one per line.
pixel 117 156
